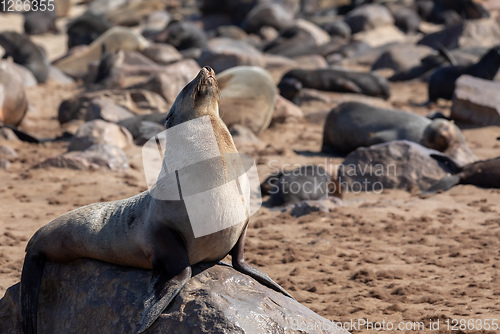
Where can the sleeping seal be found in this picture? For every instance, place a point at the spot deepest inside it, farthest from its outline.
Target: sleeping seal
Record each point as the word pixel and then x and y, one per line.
pixel 352 125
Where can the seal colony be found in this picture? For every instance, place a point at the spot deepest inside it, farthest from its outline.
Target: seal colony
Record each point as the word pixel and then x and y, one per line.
pixel 143 231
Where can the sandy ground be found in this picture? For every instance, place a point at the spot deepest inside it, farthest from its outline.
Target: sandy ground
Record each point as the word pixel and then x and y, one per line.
pixel 389 257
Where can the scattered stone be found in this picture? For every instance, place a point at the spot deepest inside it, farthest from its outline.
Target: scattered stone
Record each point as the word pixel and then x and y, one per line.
pixel 223 53
pixel 25 74
pixel 397 164
pixel 368 17
pixel 4 164
pixel 400 57
pixel 381 36
pixel 105 109
pixel 68 162
pixel 476 101
pixel 318 35
pixel 97 297
pixel 104 155
pixel 99 132
pixel 7 134
pixel 285 110
pixel 248 95
pixel 162 54
pixel 171 80
pixel 469 34
pixel 306 207
pixel 137 101
pixel 311 62
pixel 58 76
pixel 8 153
pixel 268 14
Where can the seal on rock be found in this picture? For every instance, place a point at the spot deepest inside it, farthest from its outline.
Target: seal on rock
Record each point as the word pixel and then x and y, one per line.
pixel 442 81
pixel 485 174
pixel 24 52
pixel 352 125
pixel 147 232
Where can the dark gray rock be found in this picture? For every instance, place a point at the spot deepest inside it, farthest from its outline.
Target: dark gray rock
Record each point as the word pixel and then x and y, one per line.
pixel 397 164
pixel 99 132
pixel 105 109
pixel 96 297
pixel 476 101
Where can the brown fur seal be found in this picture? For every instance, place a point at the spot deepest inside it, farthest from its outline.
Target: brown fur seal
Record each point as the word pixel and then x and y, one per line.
pixel 13 101
pixel 484 174
pixel 151 233
pixel 24 52
pixel 352 125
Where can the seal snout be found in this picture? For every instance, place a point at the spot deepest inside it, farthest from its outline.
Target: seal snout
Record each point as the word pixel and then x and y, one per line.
pixel 207 75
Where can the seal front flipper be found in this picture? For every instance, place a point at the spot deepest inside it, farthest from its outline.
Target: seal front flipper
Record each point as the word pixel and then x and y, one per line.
pixel 31 279
pixel 171 271
pixel 239 264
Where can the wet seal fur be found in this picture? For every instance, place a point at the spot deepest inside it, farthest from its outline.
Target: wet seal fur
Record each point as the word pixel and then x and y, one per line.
pixel 334 80
pixel 353 124
pixel 24 52
pixel 485 174
pixel 143 231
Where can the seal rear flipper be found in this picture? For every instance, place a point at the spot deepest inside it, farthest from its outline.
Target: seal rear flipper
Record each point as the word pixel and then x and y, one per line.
pixel 23 136
pixel 448 162
pixel 161 292
pixel 239 264
pixel 31 279
pixel 171 271
pixel 442 185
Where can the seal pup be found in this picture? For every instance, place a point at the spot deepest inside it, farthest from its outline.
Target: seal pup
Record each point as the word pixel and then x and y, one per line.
pixel 147 232
pixel 336 80
pixel 353 124
pixel 24 52
pixel 442 81
pixel 485 174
